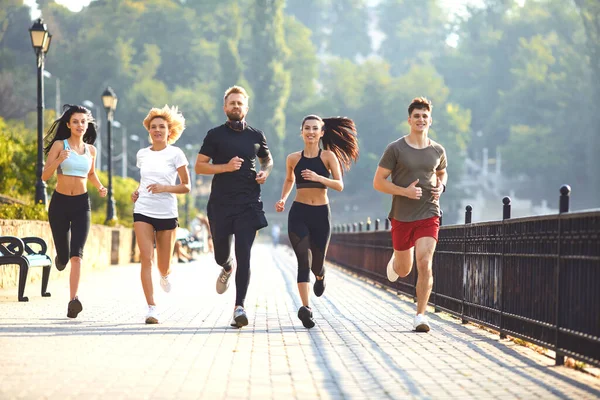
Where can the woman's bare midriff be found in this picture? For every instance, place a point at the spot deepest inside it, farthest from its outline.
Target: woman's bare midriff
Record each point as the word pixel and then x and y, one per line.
pixel 312 196
pixel 71 185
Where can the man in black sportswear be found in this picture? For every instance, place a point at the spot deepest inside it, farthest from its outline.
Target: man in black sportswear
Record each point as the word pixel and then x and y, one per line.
pixel 234 206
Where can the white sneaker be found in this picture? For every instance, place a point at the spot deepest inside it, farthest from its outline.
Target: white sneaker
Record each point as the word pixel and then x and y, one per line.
pixel 223 280
pixel 152 316
pixel 165 284
pixel 421 323
pixel 239 317
pixel 391 274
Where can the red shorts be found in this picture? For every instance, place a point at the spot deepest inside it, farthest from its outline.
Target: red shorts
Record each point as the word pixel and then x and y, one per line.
pixel 405 234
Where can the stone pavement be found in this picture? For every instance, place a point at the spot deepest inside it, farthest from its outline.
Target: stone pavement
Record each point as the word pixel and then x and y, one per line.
pixel 361 347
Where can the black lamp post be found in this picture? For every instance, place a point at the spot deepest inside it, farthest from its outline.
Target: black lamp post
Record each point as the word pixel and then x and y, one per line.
pixel 40 40
pixel 109 100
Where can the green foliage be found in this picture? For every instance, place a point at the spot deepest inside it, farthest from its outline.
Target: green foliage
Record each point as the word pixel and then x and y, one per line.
pixel 415 32
pixel 17 160
pixel 349 35
pixel 269 79
pixel 513 75
pixel 23 211
pixel 122 189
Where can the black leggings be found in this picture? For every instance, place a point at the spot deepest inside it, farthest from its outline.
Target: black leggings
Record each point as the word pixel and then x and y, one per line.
pixel 241 221
pixel 309 229
pixel 70 218
pixel 244 238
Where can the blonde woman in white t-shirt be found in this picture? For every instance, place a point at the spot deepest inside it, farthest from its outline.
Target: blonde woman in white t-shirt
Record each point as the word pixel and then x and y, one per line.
pixel 155 209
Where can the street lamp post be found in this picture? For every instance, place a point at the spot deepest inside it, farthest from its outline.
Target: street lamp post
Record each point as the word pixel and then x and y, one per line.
pixel 109 100
pixel 40 40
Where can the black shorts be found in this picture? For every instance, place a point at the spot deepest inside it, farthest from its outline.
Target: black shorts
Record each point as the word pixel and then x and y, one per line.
pixel 228 219
pixel 158 224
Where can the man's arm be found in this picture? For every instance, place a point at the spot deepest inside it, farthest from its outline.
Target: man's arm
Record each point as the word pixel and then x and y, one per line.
pixel 204 167
pixel 440 187
pixel 442 176
pixel 382 184
pixel 266 165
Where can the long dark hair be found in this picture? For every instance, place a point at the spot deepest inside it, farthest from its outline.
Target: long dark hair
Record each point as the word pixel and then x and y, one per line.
pixel 60 131
pixel 339 136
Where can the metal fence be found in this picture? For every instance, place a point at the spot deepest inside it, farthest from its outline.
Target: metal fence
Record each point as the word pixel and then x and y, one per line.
pixel 535 278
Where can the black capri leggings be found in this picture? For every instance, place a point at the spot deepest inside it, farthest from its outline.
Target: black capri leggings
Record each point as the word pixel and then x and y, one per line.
pixel 309 229
pixel 69 218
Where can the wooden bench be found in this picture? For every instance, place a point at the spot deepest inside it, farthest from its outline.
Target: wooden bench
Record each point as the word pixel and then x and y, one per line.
pixel 18 251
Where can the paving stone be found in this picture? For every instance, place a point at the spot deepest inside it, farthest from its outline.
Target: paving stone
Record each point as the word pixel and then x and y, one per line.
pixel 361 347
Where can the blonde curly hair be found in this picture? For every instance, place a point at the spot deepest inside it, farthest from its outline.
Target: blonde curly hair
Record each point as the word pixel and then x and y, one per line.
pixel 175 121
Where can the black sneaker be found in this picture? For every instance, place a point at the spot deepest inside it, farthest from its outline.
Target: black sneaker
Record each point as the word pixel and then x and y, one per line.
pixel 59 266
pixel 306 316
pixel 319 286
pixel 74 308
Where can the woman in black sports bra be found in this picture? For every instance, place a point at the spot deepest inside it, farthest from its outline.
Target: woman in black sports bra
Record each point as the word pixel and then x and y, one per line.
pixel 309 226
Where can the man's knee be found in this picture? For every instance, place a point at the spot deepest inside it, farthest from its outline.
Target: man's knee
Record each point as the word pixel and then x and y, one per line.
pixel 224 261
pixel 424 264
pixel 402 267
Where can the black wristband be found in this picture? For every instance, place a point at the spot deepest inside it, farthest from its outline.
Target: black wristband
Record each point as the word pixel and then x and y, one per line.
pixel 444 188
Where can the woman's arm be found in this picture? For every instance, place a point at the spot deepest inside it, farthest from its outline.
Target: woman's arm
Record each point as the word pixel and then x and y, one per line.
pixel 289 181
pixel 56 155
pixel 92 176
pixel 332 164
pixel 182 187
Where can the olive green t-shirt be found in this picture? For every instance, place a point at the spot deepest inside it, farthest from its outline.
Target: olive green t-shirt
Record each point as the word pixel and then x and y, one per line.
pixel 408 164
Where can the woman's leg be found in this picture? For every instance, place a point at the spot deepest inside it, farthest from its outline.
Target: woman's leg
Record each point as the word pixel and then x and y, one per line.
pixel 144 234
pixel 320 233
pixel 80 228
pixel 165 242
pixel 300 240
pixel 60 224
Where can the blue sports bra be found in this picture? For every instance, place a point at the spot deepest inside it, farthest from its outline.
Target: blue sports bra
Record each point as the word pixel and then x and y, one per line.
pixel 76 164
pixel 316 165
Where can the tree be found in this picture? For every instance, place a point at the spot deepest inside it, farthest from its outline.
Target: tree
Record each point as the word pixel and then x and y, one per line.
pixel 415 32
pixel 17 160
pixel 349 24
pixel 589 11
pixel 313 14
pixel 267 75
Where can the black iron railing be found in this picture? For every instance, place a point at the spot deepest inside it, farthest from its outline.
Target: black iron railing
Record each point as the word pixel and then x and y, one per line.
pixel 535 278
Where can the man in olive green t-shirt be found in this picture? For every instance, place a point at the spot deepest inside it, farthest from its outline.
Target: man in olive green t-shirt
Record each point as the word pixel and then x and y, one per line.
pixel 417 166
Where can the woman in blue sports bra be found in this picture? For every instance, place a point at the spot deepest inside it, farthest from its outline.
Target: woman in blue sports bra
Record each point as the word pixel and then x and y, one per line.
pixel 70 152
pixel 309 226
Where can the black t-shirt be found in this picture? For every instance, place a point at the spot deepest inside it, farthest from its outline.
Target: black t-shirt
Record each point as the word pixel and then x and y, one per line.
pixel 221 144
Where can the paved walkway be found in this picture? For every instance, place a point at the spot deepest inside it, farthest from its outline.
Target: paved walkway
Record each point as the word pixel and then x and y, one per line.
pixel 361 347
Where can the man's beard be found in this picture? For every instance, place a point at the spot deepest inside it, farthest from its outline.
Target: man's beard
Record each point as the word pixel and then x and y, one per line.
pixel 235 116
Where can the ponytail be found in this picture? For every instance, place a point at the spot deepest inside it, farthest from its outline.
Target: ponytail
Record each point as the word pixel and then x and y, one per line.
pixel 339 136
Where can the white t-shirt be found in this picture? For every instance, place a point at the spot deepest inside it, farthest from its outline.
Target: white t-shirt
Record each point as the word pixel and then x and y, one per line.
pixel 158 167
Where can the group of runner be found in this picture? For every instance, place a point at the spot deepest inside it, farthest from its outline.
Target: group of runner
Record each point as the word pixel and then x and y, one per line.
pixel 230 152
